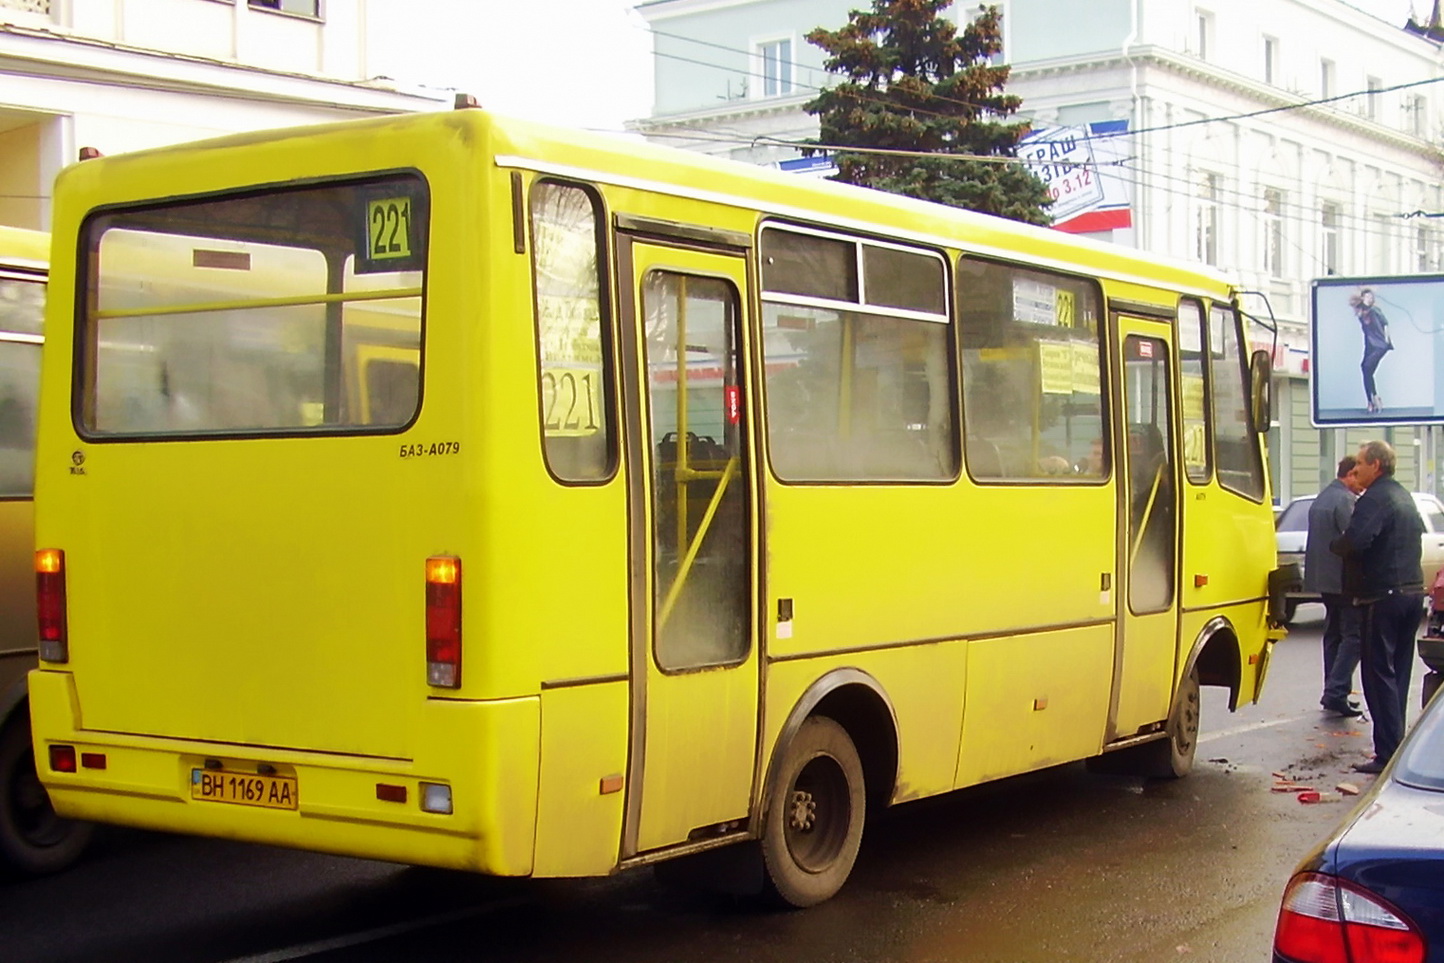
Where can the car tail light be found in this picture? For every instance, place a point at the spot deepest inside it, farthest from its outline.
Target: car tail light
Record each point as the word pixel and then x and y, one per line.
pixel 50 604
pixel 1327 920
pixel 443 621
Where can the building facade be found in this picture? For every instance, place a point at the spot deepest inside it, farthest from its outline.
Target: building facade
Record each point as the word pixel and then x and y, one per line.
pixel 129 74
pixel 1279 140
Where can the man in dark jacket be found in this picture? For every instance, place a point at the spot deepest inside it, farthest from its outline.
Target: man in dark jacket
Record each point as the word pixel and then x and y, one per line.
pixel 1324 573
pixel 1381 549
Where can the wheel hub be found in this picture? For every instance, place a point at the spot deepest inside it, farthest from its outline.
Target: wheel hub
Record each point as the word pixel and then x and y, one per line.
pixel 803 811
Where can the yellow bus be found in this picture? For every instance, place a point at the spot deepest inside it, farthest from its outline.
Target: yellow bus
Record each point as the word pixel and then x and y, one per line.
pixel 33 839
pixel 452 490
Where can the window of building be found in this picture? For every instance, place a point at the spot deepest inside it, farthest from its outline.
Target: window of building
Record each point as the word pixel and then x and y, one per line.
pixel 1423 248
pixel 859 372
pixel 1273 232
pixel 1203 33
pixel 1193 354
pixel 1032 374
pixel 1372 97
pixel 1381 244
pixel 1205 221
pixel 1270 60
pixel 573 348
pixel 299 8
pixel 775 66
pixel 1326 78
pixel 1329 237
pixel 1416 109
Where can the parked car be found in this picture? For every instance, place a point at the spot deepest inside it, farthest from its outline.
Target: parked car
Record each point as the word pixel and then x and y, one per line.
pixel 1291 531
pixel 1373 890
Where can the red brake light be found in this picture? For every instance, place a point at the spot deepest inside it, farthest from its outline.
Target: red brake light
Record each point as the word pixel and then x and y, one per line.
pixel 443 621
pixel 50 604
pixel 1328 920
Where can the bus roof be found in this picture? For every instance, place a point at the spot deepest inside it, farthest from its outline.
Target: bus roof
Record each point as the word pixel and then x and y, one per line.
pixel 612 159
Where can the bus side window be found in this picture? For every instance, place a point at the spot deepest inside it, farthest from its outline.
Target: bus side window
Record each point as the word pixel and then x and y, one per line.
pixel 859 370
pixel 574 351
pixel 1032 374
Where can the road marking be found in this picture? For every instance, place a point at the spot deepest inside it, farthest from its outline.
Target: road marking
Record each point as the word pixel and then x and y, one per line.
pixel 1251 727
pixel 303 950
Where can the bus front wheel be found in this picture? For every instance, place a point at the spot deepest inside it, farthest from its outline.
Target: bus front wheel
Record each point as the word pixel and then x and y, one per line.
pixel 815 814
pixel 33 839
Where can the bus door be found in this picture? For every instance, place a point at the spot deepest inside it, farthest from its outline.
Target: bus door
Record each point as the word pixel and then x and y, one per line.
pixel 694 658
pixel 1147 459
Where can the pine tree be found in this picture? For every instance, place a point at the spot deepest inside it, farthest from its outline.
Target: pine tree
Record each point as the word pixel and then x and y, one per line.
pixel 913 83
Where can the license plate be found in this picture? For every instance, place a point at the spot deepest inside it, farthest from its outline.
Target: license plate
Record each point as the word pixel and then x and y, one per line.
pixel 244 788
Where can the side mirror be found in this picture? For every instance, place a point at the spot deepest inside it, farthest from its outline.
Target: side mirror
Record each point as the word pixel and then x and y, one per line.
pixel 1260 393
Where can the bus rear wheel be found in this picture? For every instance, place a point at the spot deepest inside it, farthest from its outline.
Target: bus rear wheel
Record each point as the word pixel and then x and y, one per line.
pixel 33 839
pixel 815 815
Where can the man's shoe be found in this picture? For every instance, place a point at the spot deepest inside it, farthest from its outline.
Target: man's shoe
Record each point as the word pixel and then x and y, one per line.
pixel 1344 710
pixel 1372 767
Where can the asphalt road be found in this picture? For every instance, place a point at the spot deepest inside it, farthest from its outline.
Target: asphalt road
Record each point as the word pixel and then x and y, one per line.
pixel 1057 865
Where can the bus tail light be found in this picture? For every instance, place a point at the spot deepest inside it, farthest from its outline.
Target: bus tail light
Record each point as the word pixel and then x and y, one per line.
pixel 62 758
pixel 1327 920
pixel 50 604
pixel 443 621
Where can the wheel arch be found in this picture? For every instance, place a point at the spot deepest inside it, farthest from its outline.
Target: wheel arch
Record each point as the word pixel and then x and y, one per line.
pixel 857 702
pixel 1215 653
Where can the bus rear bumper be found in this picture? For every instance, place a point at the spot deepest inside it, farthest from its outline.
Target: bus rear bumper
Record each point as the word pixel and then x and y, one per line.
pixel 489 765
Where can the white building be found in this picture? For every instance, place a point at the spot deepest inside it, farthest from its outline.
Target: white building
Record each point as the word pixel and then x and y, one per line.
pixel 122 75
pixel 1280 140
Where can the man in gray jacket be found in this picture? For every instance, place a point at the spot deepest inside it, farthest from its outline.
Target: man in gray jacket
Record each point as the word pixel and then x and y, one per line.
pixel 1324 573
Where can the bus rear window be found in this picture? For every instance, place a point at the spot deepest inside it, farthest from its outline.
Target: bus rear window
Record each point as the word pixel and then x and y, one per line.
pixel 285 311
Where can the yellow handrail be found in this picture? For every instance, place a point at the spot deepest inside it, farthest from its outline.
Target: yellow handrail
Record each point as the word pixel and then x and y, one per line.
pixel 293 301
pixel 681 577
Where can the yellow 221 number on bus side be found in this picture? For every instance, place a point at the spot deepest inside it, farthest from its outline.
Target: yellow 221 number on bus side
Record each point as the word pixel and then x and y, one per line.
pixel 571 400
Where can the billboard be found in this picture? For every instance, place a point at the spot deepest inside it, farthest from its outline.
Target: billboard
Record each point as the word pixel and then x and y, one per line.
pixel 1083 168
pixel 1377 350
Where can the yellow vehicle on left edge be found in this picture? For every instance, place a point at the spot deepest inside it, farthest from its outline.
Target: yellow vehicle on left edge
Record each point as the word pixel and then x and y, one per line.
pixel 33 839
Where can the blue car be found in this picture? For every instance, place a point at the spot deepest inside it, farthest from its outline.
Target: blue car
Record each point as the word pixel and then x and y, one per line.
pixel 1373 892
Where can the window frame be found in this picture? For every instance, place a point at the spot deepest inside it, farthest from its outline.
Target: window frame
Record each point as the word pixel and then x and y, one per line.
pixel 87 273
pixel 35 339
pixel 1105 383
pixel 1206 217
pixel 948 318
pixel 318 17
pixel 1205 335
pixel 1330 219
pixel 786 78
pixel 1235 318
pixel 1274 221
pixel 607 322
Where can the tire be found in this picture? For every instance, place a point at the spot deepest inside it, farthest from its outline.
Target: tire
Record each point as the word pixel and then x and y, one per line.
pixel 1169 758
pixel 33 839
pixel 816 807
